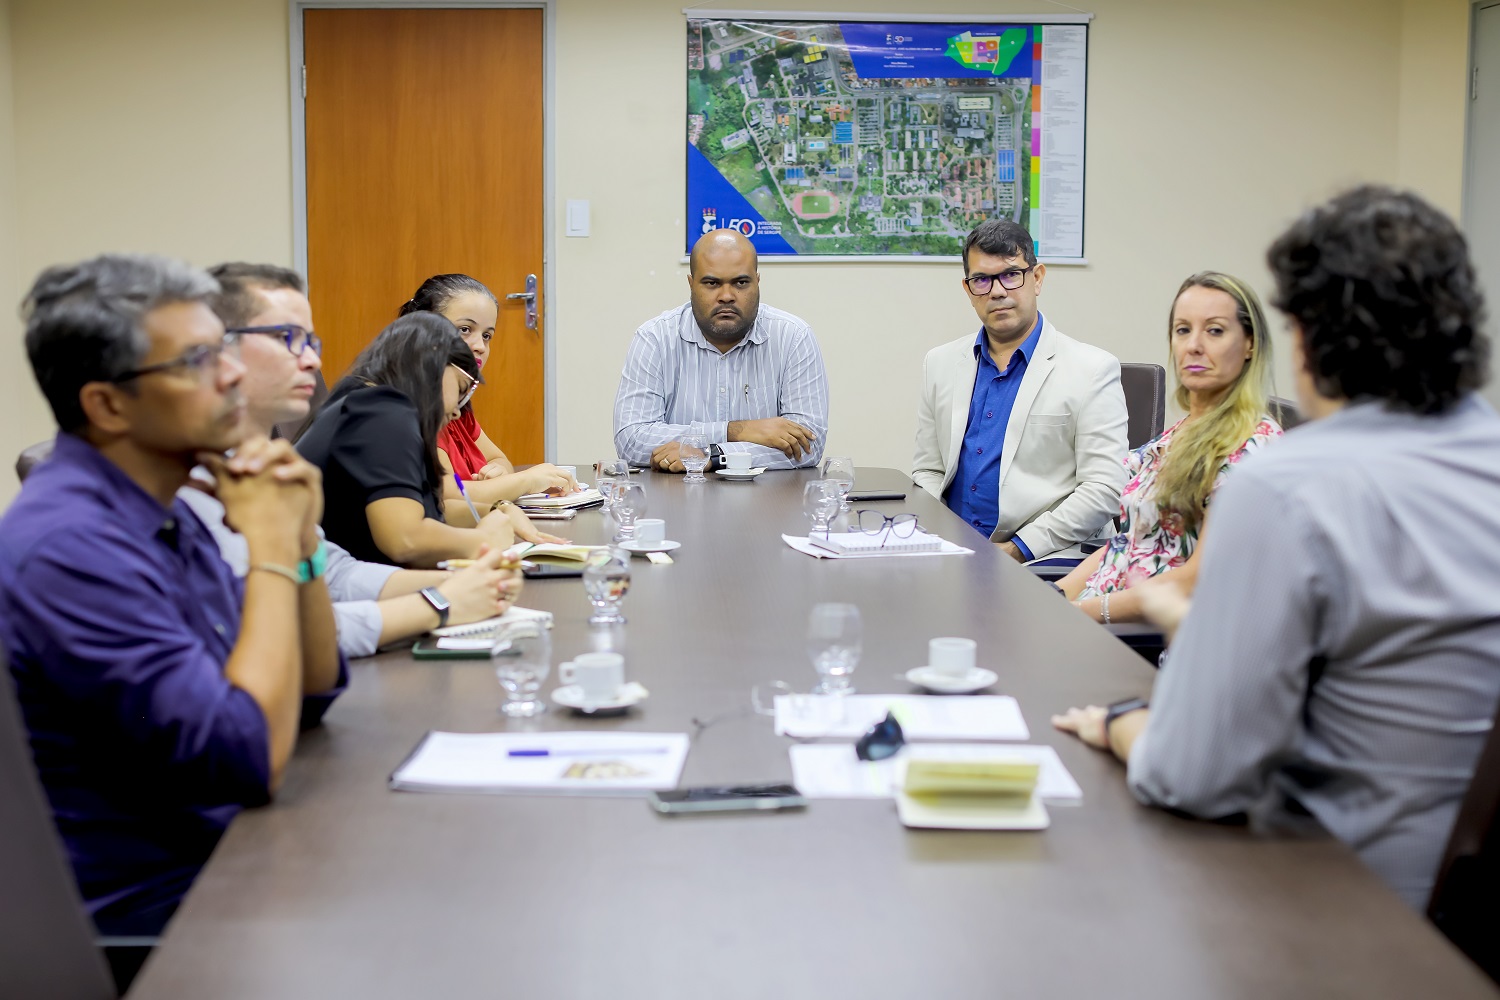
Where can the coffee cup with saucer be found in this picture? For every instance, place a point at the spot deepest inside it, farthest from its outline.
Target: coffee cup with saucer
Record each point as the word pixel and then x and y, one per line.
pixel 950 667
pixel 595 682
pixel 650 536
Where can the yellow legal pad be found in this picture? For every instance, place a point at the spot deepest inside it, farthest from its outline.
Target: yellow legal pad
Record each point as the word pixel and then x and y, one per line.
pixel 967 794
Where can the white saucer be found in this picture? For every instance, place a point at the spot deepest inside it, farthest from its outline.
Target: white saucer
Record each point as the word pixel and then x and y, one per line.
pixel 571 696
pixel 738 476
pixel 941 683
pixel 641 548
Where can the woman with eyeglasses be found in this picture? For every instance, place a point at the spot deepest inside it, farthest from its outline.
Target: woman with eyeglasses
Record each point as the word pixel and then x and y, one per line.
pixel 1221 362
pixel 376 441
pixel 487 474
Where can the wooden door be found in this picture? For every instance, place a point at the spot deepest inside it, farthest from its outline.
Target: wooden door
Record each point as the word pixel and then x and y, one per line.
pixel 424 156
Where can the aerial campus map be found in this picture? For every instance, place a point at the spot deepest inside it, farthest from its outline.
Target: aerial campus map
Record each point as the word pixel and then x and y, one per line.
pixel 860 138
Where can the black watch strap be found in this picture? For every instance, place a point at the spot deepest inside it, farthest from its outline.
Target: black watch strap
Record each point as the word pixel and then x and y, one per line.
pixel 439 603
pixel 715 457
pixel 1120 708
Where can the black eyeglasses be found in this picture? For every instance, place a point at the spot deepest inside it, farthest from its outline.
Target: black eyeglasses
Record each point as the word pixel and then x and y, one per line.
pixel 980 284
pixel 293 336
pixel 883 740
pixel 468 393
pixel 202 361
pixel 873 522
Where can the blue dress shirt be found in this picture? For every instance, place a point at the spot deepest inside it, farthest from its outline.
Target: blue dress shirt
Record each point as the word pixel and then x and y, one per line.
pixel 974 494
pixel 118 615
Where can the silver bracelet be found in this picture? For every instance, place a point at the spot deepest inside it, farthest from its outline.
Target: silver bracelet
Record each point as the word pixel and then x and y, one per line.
pixel 1104 608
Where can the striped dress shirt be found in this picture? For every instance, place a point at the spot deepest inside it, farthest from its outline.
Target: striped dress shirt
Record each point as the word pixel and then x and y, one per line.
pixel 1343 648
pixel 674 378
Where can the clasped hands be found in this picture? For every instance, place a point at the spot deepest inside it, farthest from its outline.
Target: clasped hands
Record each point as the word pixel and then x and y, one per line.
pixel 270 494
pixel 786 436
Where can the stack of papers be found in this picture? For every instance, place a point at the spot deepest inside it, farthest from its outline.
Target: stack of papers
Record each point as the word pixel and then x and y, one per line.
pixel 860 543
pixel 922 717
pixel 805 545
pixel 548 763
pixel 585 497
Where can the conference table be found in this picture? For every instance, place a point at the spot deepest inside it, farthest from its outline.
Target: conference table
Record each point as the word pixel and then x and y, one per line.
pixel 345 888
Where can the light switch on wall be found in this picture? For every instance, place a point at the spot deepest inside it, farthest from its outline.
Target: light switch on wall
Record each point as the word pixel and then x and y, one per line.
pixel 578 217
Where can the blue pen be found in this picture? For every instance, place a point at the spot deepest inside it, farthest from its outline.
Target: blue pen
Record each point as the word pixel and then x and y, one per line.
pixel 465 494
pixel 583 753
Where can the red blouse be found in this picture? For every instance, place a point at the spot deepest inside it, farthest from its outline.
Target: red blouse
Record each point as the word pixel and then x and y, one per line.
pixel 460 442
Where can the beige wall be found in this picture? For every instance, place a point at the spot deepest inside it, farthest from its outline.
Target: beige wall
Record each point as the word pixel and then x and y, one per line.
pixel 133 120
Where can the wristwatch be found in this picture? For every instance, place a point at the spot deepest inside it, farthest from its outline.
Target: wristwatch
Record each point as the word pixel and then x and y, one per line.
pixel 439 603
pixel 309 570
pixel 715 457
pixel 1120 708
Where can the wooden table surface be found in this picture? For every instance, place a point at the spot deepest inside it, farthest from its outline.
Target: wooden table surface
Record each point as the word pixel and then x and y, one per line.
pixel 344 888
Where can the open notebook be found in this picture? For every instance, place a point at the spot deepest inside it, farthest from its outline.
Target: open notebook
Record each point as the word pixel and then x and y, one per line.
pixel 586 497
pixel 552 551
pixel 481 635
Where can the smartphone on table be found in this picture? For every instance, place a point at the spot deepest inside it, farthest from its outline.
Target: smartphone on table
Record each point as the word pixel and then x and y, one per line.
pixel 728 798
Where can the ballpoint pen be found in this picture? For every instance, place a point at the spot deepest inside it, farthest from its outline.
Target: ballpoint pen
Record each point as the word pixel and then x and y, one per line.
pixel 619 751
pixel 465 494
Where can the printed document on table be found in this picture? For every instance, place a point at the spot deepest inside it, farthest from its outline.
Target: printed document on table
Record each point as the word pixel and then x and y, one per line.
pixel 808 548
pixel 545 763
pixel 922 717
pixel 832 771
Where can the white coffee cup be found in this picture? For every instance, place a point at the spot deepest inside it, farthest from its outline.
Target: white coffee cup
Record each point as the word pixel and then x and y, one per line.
pixel 650 530
pixel 951 656
pixel 598 676
pixel 737 461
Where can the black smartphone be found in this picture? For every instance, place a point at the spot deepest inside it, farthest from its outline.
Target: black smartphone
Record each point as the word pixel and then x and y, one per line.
pixel 868 495
pixel 728 798
pixel 544 571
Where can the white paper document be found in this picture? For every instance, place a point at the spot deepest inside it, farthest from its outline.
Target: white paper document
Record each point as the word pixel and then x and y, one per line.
pixel 832 771
pixel 808 548
pixel 546 763
pixel 922 717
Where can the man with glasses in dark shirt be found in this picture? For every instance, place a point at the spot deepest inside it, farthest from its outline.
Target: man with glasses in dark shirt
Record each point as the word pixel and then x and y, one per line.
pixel 162 695
pixel 1021 431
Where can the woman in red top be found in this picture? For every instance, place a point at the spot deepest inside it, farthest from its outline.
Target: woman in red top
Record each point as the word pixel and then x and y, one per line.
pixel 489 478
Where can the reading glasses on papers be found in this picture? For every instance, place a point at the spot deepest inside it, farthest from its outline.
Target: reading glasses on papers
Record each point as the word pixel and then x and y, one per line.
pixel 202 361
pixel 873 522
pixel 980 284
pixel 293 336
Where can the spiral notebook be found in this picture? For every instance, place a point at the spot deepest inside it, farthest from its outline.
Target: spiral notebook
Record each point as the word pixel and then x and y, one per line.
pixel 862 543
pixel 481 635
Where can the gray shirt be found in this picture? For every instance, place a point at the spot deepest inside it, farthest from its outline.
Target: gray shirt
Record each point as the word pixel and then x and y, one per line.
pixel 353 585
pixel 674 378
pixel 1343 648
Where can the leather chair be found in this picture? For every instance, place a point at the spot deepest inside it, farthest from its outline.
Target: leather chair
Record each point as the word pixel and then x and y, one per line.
pixel 47 946
pixel 1465 901
pixel 31 458
pixel 1145 401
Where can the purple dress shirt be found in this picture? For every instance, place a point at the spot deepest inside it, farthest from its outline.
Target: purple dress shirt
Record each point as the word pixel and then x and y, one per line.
pixel 118 615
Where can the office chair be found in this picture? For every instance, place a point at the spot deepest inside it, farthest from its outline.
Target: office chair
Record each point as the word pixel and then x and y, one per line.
pixel 1145 401
pixel 31 458
pixel 1284 412
pixel 47 946
pixel 1465 900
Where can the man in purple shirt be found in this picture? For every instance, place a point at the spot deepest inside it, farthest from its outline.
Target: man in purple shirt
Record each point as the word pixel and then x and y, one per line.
pixel 161 694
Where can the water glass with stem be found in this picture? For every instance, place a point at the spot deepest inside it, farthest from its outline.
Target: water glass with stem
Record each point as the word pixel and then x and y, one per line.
pixel 522 656
pixel 841 471
pixel 630 505
pixel 606 581
pixel 820 502
pixel 692 450
pixel 833 645
pixel 609 472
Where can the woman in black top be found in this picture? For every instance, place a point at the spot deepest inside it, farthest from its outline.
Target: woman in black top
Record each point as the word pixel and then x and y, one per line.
pixel 376 441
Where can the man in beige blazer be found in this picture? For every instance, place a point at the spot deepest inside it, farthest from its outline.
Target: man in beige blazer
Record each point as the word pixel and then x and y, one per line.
pixel 1020 430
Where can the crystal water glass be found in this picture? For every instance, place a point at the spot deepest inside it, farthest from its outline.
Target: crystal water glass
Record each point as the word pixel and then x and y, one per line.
pixel 610 471
pixel 841 471
pixel 834 644
pixel 692 451
pixel 522 656
pixel 820 502
pixel 606 581
pixel 630 505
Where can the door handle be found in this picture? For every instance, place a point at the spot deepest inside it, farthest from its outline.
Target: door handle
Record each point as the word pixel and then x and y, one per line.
pixel 529 297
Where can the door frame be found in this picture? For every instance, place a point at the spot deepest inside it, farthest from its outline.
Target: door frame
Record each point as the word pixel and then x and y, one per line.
pixel 548 8
pixel 1474 7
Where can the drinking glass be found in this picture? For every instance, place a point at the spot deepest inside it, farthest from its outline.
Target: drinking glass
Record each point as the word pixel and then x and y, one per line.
pixel 820 502
pixel 630 504
pixel 833 645
pixel 609 472
pixel 606 580
pixel 693 451
pixel 522 656
pixel 841 471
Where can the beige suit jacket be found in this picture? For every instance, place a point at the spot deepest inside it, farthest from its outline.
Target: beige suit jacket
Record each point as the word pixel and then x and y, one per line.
pixel 1063 464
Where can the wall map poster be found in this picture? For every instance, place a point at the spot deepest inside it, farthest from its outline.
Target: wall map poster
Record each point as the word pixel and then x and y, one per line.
pixel 854 139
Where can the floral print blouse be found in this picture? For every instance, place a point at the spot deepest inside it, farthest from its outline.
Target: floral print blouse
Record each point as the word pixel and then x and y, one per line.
pixel 1152 541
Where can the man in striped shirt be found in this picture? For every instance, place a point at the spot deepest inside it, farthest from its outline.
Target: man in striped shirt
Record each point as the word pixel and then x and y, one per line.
pixel 748 377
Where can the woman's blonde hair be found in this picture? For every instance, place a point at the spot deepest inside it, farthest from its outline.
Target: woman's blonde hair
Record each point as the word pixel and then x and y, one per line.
pixel 1198 451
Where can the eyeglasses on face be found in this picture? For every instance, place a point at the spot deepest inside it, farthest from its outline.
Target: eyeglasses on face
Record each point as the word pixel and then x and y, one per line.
pixel 293 336
pixel 980 284
pixel 201 361
pixel 468 393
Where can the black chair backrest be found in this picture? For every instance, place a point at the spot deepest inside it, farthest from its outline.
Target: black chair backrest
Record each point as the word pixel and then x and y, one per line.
pixel 32 457
pixel 1284 412
pixel 1465 901
pixel 293 429
pixel 46 940
pixel 1145 401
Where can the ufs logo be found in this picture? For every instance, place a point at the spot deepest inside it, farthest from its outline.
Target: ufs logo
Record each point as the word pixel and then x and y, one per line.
pixel 711 222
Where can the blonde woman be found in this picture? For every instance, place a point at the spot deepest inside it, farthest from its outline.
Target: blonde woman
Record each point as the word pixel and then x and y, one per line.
pixel 1221 359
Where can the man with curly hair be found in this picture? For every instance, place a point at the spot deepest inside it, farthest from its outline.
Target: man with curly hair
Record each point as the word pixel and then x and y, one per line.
pixel 1342 656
